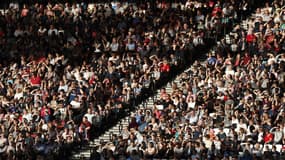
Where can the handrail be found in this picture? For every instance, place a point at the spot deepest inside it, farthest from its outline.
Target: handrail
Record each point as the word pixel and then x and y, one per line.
pixel 111 136
pixel 120 126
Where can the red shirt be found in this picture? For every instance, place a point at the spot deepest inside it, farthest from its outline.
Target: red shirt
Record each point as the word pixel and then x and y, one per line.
pixel 42 59
pixel 226 98
pixel 269 39
pixel 268 137
pixel 85 124
pixel 215 11
pixel 20 118
pixel 94 34
pixel 59 124
pixel 45 111
pixel 165 67
pixel 91 80
pixel 237 62
pixel 35 81
pixel 157 114
pixel 250 38
pixel 246 60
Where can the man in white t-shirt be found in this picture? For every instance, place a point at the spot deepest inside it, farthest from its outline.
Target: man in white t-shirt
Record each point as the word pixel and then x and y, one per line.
pixel 89 115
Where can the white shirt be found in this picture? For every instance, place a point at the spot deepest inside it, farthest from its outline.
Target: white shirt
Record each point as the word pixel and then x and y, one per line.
pixel 230 72
pixel 43 30
pixel 200 17
pixel 234 121
pixel 28 117
pixel 75 104
pixel 193 119
pixel 18 33
pixel 260 137
pixel 208 143
pixel 239 126
pixel 50 31
pixel 114 47
pixel 18 95
pixel 191 104
pixel 217 145
pixel 139 137
pixel 87 75
pixel 197 41
pixel 64 88
pixel 89 117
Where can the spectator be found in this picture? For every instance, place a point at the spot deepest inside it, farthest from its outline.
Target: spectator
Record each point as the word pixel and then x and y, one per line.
pixel 84 128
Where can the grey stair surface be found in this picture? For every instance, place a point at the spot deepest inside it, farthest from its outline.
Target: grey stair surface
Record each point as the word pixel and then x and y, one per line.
pixel 123 123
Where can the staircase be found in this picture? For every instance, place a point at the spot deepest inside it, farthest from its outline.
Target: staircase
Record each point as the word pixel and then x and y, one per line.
pixel 85 152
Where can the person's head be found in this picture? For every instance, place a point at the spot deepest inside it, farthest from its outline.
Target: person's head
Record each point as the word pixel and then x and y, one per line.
pixel 2 135
pixel 150 145
pixel 84 119
pixel 89 111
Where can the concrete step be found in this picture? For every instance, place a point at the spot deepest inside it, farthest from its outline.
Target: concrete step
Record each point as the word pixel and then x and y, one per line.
pixel 125 119
pixel 96 141
pixel 122 123
pixel 115 131
pixel 105 137
pixel 149 104
pixel 86 154
pixel 168 86
pixel 151 100
pixel 176 80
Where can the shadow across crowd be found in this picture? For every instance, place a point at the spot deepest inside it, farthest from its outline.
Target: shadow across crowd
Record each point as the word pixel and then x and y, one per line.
pixel 70 71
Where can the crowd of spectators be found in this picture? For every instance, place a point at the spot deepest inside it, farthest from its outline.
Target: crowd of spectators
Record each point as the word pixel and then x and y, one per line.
pixel 230 107
pixel 68 69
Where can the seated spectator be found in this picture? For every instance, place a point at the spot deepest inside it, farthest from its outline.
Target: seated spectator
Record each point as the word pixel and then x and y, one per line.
pixel 35 80
pixel 84 128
